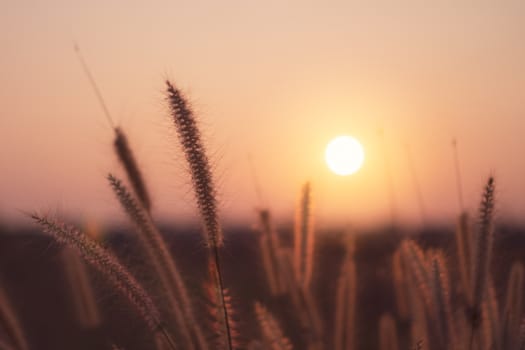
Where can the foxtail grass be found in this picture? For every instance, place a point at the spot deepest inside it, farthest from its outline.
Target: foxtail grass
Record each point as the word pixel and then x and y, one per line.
pixel 85 305
pixel 108 266
pixel 270 268
pixel 414 259
pixel 120 143
pixel 197 160
pixel 304 238
pixel 492 327
pixel 305 308
pixel 513 311
pixel 171 280
pixel 269 245
pixel 399 276
pixel 205 194
pixel 221 312
pixel 464 252
pixel 442 311
pixel 345 305
pixel 482 252
pixel 419 282
pixel 10 325
pixel 129 163
pixel 273 336
pixel 459 187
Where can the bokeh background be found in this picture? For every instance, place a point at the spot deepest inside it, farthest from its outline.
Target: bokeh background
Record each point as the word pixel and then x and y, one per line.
pixel 272 83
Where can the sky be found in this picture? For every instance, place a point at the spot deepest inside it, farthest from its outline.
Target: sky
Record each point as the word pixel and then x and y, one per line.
pixel 272 83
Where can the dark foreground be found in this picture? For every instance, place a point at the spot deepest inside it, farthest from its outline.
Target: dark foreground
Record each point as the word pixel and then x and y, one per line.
pixel 33 277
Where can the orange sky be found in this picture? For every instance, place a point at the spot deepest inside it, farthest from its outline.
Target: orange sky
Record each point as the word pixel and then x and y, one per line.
pixel 270 80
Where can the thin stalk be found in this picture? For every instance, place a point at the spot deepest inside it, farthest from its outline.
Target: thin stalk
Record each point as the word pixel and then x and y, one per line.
pixel 10 325
pixel 129 163
pixel 165 267
pixel 459 186
pixel 272 334
pixel 110 267
pixel 85 305
pixel 204 190
pixel 94 85
pixel 482 253
pixel 304 238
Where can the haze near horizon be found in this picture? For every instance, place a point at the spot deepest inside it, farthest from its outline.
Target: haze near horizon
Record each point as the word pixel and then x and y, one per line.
pixel 272 84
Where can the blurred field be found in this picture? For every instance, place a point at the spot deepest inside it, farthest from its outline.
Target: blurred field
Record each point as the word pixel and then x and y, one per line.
pixel 33 277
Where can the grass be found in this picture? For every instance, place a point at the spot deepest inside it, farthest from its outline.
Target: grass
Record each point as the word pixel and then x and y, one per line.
pixel 429 308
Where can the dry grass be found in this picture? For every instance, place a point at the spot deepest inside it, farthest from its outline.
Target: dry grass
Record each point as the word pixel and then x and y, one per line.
pixel 427 311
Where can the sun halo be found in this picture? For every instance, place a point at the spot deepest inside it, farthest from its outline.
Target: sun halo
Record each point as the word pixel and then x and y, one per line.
pixel 344 155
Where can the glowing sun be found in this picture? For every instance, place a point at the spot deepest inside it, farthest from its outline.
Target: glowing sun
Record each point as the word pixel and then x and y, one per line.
pixel 344 155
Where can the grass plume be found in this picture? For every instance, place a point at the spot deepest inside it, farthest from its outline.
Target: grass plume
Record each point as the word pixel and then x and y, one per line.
pixel 127 159
pixel 203 187
pixel 11 326
pixel 442 313
pixel 273 336
pixel 491 320
pixel 414 259
pixel 482 252
pixel 304 238
pixel 305 307
pixel 109 266
pixel 220 308
pixel 464 246
pixel 269 245
pixel 85 305
pixel 194 151
pixel 174 287
pixel 400 285
pixel 346 301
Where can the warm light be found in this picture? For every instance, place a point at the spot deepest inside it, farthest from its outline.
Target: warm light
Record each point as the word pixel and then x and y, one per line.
pixel 344 155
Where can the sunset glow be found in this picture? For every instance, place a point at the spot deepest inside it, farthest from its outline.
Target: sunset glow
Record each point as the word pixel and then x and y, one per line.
pixel 272 80
pixel 344 155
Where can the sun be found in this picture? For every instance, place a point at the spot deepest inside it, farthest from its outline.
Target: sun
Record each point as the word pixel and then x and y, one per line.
pixel 344 155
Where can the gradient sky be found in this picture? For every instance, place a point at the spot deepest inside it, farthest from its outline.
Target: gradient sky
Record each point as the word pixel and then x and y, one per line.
pixel 274 80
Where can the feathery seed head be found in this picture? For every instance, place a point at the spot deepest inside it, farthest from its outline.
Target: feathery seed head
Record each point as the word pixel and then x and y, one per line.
pixel 304 237
pixel 201 175
pixel 482 250
pixel 487 203
pixel 272 334
pixel 107 264
pixel 126 157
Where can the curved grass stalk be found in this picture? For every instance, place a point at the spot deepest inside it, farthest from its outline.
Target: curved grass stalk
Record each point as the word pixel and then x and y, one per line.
pixel 511 320
pixel 304 238
pixel 482 254
pixel 128 161
pixel 109 266
pixel 11 326
pixel 165 267
pixel 204 189
pixel 272 334
pixel 85 305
